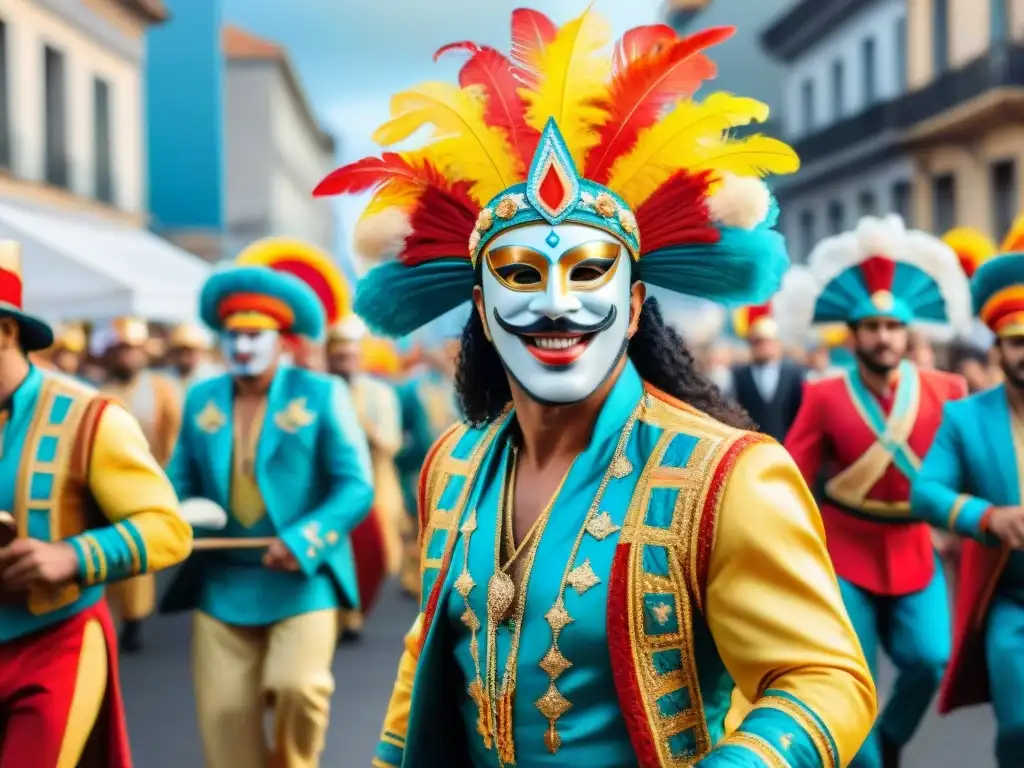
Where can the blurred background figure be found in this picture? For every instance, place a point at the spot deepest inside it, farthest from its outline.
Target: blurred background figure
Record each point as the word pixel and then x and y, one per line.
pixel 155 402
pixel 188 355
pixel 377 405
pixel 920 350
pixel 770 387
pixel 69 349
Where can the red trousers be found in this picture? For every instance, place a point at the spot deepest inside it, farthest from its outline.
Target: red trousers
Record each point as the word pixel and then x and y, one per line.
pixel 60 702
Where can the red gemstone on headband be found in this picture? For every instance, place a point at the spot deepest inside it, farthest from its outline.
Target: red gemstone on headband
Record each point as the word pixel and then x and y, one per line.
pixel 551 190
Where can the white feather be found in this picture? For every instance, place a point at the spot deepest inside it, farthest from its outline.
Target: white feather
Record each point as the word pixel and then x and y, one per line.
pixel 381 236
pixel 739 201
pixel 203 513
pixel 793 305
pixel 889 237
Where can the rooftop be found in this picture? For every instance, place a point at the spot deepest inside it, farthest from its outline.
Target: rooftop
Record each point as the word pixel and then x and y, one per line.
pixel 153 11
pixel 240 45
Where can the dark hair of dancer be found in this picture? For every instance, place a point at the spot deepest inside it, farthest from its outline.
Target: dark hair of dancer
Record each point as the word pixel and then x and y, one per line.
pixel 657 351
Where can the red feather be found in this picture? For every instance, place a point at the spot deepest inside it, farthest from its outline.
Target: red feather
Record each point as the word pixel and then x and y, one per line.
pixel 641 41
pixel 878 272
pixel 532 31
pixel 371 173
pixel 638 95
pixel 505 107
pixel 441 225
pixel 464 45
pixel 677 214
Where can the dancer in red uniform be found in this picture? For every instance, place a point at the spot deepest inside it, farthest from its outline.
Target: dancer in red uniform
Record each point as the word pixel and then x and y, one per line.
pixel 873 422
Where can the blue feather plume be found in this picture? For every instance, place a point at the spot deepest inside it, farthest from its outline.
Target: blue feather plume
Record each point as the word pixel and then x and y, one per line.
pixel 394 300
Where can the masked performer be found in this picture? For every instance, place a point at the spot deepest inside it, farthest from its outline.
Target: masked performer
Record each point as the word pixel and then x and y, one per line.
pixel 277 450
pixel 154 400
pixel 970 484
pixel 605 548
pixel 88 505
pixel 868 427
pixel 376 543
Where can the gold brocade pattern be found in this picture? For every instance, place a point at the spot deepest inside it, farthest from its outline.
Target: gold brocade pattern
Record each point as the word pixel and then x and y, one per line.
pixel 821 740
pixel 760 747
pixel 464 585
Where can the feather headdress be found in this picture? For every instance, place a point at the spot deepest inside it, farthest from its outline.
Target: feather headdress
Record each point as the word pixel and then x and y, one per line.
pixel 883 269
pixel 568 128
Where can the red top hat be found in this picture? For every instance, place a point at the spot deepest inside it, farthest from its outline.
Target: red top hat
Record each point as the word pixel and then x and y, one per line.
pixel 36 334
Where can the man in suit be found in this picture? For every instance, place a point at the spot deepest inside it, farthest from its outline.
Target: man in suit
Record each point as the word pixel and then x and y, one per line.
pixel 770 387
pixel 280 451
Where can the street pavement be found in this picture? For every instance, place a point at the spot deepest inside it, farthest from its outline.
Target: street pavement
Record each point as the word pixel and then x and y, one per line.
pixel 161 713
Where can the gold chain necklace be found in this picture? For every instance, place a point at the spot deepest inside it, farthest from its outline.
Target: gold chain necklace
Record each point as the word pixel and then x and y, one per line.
pixel 552 705
pixel 501 592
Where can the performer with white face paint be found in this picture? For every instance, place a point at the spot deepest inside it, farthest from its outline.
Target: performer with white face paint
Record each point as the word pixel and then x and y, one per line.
pixel 607 549
pixel 280 450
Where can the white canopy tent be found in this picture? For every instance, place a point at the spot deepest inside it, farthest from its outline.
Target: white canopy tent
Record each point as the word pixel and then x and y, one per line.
pixel 84 269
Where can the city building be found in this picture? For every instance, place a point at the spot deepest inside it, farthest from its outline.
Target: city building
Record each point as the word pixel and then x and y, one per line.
pixel 235 148
pixel 846 64
pixel 743 65
pixel 963 120
pixel 72 162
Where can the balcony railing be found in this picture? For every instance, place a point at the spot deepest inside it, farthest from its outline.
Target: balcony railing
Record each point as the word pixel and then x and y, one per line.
pixel 58 170
pixel 1001 66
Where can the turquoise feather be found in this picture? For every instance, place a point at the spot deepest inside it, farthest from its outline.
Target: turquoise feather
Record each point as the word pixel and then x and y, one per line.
pixel 744 267
pixel 394 300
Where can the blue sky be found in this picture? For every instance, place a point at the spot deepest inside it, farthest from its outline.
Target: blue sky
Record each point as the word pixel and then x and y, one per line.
pixel 353 54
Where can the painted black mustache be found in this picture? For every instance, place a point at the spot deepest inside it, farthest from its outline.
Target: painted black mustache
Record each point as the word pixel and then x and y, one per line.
pixel 545 325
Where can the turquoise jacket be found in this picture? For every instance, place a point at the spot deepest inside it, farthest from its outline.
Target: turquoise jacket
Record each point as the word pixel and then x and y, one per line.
pixel 312 467
pixel 971 466
pixel 416 440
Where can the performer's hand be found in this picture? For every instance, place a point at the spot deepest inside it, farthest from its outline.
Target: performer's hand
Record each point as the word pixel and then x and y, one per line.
pixel 1007 524
pixel 280 558
pixel 27 562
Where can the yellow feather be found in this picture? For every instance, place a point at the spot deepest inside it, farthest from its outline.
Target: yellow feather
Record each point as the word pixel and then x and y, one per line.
pixel 466 148
pixel 1014 241
pixel 675 143
pixel 572 79
pixel 754 156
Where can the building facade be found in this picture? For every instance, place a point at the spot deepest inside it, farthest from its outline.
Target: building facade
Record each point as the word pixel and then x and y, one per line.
pixel 276 151
pixel 963 121
pixel 846 64
pixel 236 150
pixel 743 65
pixel 73 170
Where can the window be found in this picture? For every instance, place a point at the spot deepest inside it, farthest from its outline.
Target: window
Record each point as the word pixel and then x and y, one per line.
pixel 940 36
pixel 5 115
pixel 56 118
pixel 102 154
pixel 944 203
pixel 867 205
pixel 867 53
pixel 1003 178
pixel 807 105
pixel 901 53
pixel 808 237
pixel 838 100
pixel 836 217
pixel 998 18
pixel 901 201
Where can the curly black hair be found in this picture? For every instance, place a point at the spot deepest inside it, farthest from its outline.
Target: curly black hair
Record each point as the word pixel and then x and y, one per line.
pixel 657 351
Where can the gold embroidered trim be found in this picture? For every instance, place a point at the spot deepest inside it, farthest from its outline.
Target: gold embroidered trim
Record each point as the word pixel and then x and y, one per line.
pixel 601 526
pixel 133 548
pixel 956 509
pixel 821 740
pixel 760 747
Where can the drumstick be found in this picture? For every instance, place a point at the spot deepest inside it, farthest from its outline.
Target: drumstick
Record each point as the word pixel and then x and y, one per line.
pixel 205 544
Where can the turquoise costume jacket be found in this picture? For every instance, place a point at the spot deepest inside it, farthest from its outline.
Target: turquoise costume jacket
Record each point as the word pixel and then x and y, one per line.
pixel 699 566
pixel 971 466
pixel 75 467
pixel 313 470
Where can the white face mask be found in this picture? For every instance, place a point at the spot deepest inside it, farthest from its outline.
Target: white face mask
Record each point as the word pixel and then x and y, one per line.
pixel 249 353
pixel 557 305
